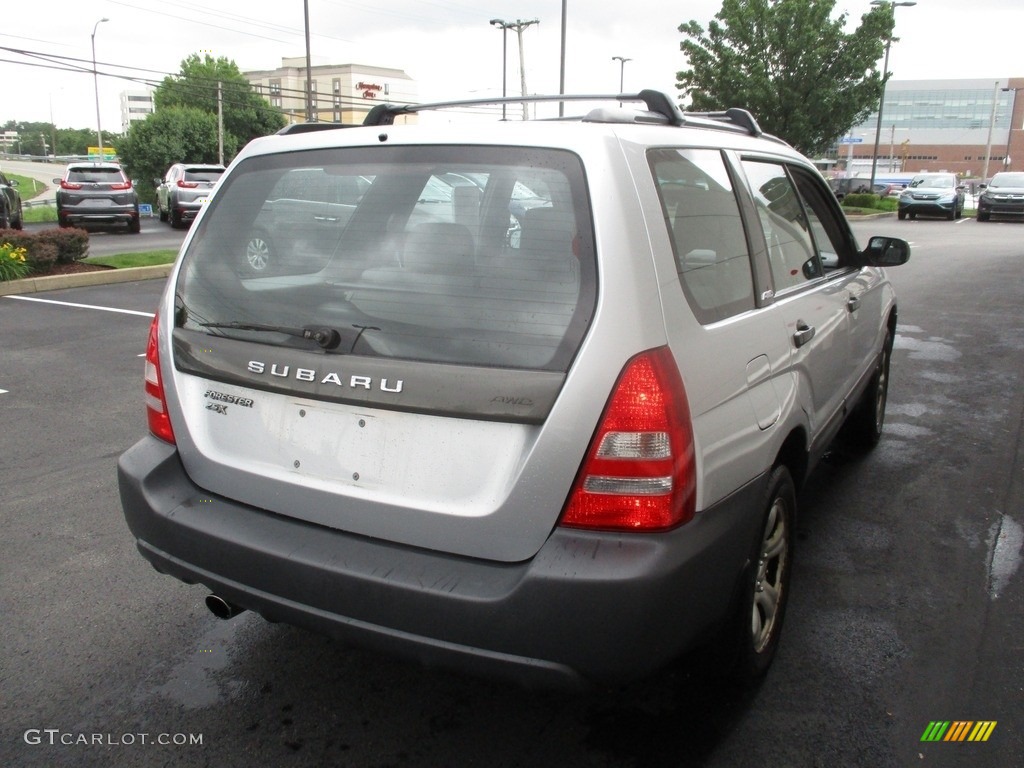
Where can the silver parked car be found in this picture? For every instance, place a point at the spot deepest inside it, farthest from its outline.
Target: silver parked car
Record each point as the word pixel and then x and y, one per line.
pixel 184 189
pixel 550 424
pixel 932 194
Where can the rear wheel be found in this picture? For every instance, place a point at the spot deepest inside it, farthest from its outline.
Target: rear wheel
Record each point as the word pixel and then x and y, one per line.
pixel 766 583
pixel 863 429
pixel 135 226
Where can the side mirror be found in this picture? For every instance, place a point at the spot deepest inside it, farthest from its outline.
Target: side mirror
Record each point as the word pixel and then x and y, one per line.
pixel 56 181
pixel 157 182
pixel 13 182
pixel 960 187
pixel 885 252
pixel 983 186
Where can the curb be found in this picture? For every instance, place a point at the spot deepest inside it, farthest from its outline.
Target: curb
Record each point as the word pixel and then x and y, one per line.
pixel 101 277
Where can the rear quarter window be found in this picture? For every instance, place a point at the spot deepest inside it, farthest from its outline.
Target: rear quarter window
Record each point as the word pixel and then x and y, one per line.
pixel 706 230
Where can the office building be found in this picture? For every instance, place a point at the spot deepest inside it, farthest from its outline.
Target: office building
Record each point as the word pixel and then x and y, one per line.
pixel 941 125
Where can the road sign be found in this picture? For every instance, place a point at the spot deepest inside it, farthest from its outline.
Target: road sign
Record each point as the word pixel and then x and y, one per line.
pixel 851 140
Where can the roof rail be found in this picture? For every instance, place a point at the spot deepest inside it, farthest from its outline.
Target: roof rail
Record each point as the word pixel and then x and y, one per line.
pixel 294 128
pixel 657 102
pixel 733 116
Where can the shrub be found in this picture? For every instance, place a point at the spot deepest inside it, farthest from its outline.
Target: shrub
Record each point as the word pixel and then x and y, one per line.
pixel 861 200
pixel 63 246
pixel 42 256
pixel 13 264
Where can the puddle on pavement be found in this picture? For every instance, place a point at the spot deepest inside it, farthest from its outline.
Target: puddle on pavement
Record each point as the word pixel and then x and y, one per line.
pixel 193 681
pixel 1006 541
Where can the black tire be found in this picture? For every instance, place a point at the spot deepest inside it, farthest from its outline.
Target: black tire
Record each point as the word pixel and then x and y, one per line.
pixel 135 226
pixel 5 219
pixel 163 213
pixel 863 428
pixel 176 222
pixel 765 584
pixel 258 256
pixel 983 216
pixel 19 223
pixel 901 215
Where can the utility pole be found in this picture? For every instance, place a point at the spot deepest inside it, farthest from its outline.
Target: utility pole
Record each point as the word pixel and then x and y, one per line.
pixel 220 123
pixel 519 26
pixel 309 67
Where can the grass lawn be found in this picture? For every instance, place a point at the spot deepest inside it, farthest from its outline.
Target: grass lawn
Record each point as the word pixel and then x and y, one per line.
pixel 123 260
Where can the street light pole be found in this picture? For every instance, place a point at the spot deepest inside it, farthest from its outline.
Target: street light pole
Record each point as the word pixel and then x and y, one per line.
pixel 96 86
pixel 885 77
pixel 503 25
pixel 622 70
pixel 1009 129
pixel 991 125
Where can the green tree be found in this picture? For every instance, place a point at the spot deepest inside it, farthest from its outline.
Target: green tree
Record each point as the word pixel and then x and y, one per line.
pixel 790 63
pixel 246 114
pixel 170 135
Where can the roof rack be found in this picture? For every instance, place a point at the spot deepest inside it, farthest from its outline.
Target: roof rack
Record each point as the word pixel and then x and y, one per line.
pixel 656 102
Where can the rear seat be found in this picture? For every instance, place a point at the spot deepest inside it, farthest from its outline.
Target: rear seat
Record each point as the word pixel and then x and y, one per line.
pixel 441 283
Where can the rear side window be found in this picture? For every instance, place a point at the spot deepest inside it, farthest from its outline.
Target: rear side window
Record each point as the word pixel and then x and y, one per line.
pixel 706 230
pixel 475 256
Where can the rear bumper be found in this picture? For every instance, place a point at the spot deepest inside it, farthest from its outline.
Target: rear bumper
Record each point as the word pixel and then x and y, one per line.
pixel 97 216
pixel 588 607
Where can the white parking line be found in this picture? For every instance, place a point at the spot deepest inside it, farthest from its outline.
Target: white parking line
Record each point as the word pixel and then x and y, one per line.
pixel 82 306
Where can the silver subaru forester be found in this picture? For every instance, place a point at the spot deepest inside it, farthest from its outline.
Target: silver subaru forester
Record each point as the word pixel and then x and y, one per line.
pixel 530 399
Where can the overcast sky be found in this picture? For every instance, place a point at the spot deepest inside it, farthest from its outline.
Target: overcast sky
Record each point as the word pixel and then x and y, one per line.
pixel 446 46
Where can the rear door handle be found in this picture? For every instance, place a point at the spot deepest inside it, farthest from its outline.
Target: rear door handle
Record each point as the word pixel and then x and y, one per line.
pixel 804 333
pixel 853 304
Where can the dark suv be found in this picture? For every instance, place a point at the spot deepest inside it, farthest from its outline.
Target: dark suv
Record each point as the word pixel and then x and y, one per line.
pixel 1003 196
pixel 11 216
pixel 535 398
pixel 94 195
pixel 184 190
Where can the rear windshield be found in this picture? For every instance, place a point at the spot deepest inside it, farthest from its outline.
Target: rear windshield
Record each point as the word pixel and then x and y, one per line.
pixel 203 174
pixel 96 175
pixel 478 256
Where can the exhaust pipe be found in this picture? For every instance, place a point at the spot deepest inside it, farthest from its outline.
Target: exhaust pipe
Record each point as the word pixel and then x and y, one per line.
pixel 221 608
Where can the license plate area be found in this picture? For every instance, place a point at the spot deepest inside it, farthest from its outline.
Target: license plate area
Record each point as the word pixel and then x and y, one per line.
pixel 345 447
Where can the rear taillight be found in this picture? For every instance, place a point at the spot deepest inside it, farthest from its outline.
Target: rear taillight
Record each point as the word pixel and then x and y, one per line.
pixel 121 186
pixel 156 403
pixel 640 470
pixel 187 184
pixel 69 185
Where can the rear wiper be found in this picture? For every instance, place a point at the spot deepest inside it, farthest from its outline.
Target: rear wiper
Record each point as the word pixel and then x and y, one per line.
pixel 326 338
